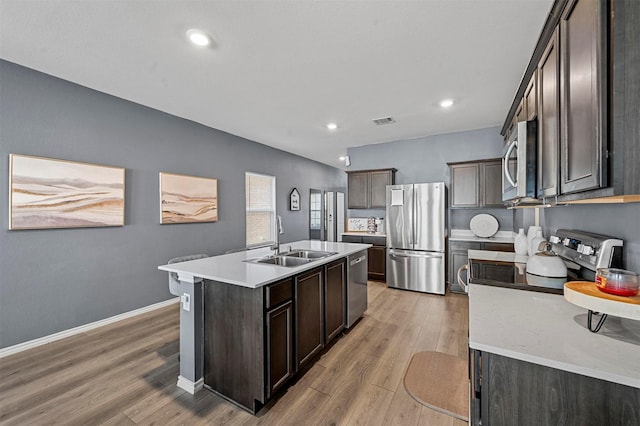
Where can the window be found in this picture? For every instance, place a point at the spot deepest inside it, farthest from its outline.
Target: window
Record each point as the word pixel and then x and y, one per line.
pixel 261 209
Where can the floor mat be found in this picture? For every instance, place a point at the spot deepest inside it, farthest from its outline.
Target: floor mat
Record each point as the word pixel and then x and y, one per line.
pixel 439 381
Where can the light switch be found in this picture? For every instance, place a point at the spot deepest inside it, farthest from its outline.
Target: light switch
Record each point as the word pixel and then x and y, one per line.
pixel 186 301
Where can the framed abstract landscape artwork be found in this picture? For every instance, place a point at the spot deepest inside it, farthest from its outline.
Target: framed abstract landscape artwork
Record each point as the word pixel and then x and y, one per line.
pixel 51 193
pixel 188 199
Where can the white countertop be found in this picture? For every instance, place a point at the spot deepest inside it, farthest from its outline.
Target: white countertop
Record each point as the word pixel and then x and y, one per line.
pixel 545 329
pixel 365 234
pixel 501 256
pixel 231 268
pixel 504 237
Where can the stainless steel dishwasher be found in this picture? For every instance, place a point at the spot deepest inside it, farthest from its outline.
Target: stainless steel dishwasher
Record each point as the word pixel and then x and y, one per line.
pixel 357 286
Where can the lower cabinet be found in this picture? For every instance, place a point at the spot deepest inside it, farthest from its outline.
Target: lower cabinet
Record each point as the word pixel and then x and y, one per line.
pixel 458 256
pixel 308 315
pixel 335 297
pixel 279 333
pixel 507 391
pixel 256 340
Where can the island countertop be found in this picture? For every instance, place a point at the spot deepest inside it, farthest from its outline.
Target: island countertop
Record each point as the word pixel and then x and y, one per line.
pixel 545 329
pixel 232 269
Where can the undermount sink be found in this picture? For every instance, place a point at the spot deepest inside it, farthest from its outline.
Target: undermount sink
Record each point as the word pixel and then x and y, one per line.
pixel 309 254
pixel 292 258
pixel 281 261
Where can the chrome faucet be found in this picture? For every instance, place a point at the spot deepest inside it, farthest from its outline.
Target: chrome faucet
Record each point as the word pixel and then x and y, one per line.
pixel 276 247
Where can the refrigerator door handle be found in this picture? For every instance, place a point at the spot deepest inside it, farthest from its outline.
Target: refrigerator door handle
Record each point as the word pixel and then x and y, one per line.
pixel 393 255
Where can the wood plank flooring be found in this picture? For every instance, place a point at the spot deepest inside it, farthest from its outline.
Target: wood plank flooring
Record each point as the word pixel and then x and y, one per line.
pixel 125 373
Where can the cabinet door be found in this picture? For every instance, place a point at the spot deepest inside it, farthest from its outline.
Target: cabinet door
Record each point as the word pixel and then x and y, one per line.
pixel 335 291
pixel 279 330
pixel 521 112
pixel 358 190
pixel 548 119
pixel 492 184
pixel 308 315
pixel 378 182
pixel 456 260
pixel 464 185
pixel 531 99
pixel 581 97
pixel 377 268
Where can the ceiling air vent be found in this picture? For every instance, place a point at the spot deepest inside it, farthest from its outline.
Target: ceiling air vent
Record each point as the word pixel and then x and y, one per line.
pixel 383 120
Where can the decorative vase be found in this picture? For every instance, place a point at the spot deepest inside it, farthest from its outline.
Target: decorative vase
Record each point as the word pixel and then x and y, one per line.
pixel 520 243
pixel 534 231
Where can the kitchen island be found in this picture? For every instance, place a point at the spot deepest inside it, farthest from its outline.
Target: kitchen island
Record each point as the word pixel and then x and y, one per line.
pixel 534 361
pixel 246 328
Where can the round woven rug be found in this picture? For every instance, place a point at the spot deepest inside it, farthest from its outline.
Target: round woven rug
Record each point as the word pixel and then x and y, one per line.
pixel 439 381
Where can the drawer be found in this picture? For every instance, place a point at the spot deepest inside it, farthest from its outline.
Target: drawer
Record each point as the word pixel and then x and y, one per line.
pixel 376 241
pixel 498 247
pixel 279 292
pixel 351 239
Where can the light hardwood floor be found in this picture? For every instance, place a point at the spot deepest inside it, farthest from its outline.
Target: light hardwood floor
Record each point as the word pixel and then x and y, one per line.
pixel 125 373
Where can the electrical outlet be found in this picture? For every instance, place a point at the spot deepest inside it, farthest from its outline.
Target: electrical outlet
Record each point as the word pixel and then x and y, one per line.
pixel 186 301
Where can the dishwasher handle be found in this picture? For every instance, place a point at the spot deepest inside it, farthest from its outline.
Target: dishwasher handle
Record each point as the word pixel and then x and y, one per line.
pixel 357 260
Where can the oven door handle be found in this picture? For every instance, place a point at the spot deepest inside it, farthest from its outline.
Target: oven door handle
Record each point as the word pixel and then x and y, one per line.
pixel 460 280
pixel 507 173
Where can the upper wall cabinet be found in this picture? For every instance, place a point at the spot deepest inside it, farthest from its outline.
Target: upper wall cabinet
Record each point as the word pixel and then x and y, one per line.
pixel 581 85
pixel 476 184
pixel 367 188
pixel 583 89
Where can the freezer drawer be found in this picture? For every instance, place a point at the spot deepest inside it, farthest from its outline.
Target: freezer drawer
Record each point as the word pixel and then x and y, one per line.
pixel 416 270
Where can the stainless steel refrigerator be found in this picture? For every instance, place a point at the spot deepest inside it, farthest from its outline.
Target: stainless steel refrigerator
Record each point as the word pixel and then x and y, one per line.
pixel 415 237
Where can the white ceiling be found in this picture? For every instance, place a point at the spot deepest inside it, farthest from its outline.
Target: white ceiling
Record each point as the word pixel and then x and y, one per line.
pixel 280 70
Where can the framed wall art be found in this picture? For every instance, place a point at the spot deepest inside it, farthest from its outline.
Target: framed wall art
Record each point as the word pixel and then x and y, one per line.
pixel 294 200
pixel 188 199
pixel 50 193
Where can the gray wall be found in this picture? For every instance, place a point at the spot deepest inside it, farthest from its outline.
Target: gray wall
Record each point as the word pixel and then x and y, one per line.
pixel 425 160
pixel 53 280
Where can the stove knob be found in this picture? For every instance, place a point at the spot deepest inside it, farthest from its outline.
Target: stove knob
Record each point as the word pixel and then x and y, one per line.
pixel 566 242
pixel 587 250
pixel 580 248
pixel 553 239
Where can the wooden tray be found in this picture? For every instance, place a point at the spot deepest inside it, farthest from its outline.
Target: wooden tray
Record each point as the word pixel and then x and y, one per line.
pixel 586 295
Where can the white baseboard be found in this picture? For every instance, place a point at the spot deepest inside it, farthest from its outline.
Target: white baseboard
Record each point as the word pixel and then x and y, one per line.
pixel 189 386
pixel 82 328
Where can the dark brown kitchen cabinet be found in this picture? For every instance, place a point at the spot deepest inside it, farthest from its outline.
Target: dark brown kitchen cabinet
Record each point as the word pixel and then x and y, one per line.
pixel 549 119
pixel 476 184
pixel 531 99
pixel 588 101
pixel 335 292
pixel 507 391
pixel 279 350
pixel 367 188
pixel 377 255
pixel 582 95
pixel 309 318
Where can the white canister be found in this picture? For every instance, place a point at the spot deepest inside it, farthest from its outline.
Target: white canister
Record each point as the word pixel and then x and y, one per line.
pixel 534 231
pixel 520 243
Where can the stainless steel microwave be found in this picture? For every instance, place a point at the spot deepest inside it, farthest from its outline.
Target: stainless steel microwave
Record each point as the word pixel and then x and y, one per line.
pixel 519 164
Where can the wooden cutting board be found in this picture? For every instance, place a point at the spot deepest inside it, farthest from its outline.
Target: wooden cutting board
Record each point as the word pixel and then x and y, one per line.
pixel 590 289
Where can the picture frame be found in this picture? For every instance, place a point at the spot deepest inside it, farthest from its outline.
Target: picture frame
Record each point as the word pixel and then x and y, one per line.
pixel 48 193
pixel 294 200
pixel 187 199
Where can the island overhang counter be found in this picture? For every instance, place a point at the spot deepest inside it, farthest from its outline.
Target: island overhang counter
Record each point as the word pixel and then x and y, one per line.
pixel 242 282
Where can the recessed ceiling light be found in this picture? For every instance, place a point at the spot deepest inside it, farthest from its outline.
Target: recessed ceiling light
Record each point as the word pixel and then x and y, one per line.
pixel 199 37
pixel 332 126
pixel 446 103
